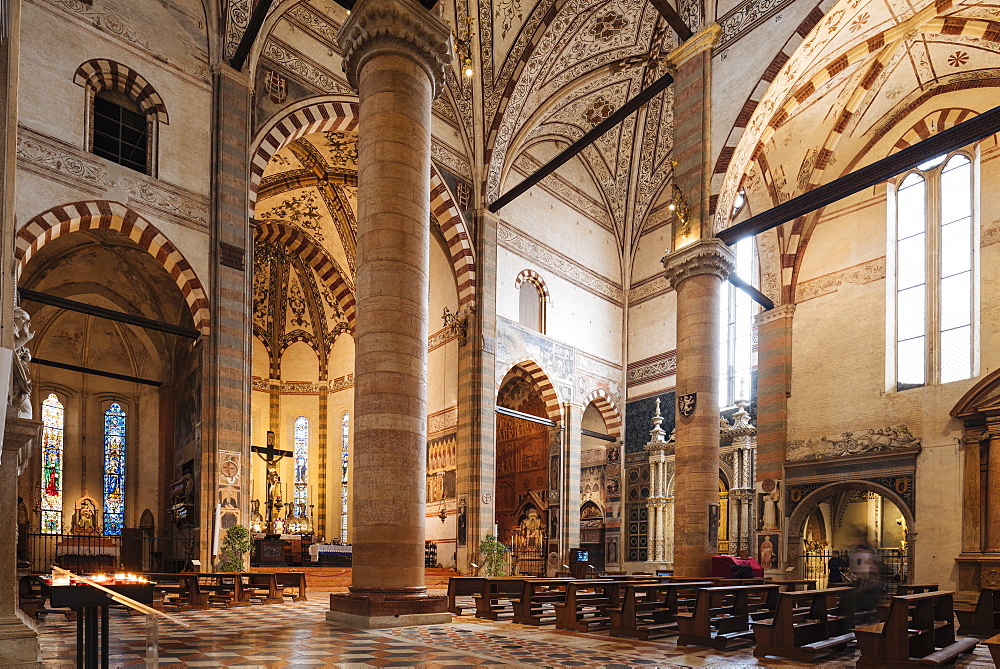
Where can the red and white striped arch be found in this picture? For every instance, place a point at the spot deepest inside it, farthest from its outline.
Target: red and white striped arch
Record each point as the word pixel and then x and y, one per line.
pixel 336 113
pixel 108 215
pixel 533 372
pixel 601 399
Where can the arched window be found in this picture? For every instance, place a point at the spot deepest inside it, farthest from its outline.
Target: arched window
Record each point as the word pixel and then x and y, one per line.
pixel 738 356
pixel 532 296
pixel 114 470
pixel 345 437
pixel 53 419
pixel 301 464
pixel 934 305
pixel 124 113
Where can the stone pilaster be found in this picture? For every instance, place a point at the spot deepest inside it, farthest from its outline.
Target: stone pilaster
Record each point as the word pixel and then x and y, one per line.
pixel 226 358
pixel 774 382
pixel 18 638
pixel 477 403
pixel 696 272
pixel 569 536
pixel 394 53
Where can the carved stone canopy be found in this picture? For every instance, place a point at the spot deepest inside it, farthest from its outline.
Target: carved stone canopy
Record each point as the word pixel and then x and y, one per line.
pixel 395 26
pixel 705 256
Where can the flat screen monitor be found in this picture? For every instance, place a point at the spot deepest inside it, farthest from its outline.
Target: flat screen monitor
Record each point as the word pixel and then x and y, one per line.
pixel 582 555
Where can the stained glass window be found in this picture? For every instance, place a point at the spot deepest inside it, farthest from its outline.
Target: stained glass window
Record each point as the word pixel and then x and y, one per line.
pixel 301 464
pixel 53 416
pixel 345 435
pixel 934 273
pixel 114 470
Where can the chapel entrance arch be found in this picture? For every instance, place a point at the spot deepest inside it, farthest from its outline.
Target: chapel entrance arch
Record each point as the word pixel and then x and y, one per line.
pixel 860 519
pixel 523 513
pixel 600 488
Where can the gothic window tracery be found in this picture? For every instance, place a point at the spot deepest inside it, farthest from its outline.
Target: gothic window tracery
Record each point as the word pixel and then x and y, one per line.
pixel 301 498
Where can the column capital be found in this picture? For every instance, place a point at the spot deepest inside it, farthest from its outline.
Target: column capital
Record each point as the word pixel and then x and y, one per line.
pixel 405 27
pixel 775 314
pixel 705 256
pixel 703 40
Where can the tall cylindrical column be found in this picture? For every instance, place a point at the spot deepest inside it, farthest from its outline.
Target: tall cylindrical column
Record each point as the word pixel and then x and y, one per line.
pixel 394 53
pixel 696 272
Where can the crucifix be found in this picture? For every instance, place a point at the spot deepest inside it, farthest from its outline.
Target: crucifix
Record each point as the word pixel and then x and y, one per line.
pixel 271 456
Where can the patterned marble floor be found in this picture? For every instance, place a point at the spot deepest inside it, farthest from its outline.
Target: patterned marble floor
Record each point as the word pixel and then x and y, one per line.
pixel 298 635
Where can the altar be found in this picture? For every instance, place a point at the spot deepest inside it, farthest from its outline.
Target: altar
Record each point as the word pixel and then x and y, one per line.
pixel 334 555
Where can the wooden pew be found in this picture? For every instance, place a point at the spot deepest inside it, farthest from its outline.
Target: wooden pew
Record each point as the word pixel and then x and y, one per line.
pixel 495 591
pixel 182 592
pixel 792 584
pixel 920 629
pixel 464 586
pixel 984 618
pixel 722 615
pixel 295 580
pixel 225 588
pixel 262 587
pixel 806 624
pixel 538 595
pixel 645 610
pixel 916 588
pixel 993 644
pixel 583 608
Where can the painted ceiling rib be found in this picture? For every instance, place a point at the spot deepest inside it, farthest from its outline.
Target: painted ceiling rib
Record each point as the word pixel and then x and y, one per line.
pixel 955 137
pixel 579 145
pixel 673 19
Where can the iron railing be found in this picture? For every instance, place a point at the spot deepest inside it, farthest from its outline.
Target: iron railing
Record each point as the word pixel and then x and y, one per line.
pixel 93 553
pixel 891 569
pixel 527 561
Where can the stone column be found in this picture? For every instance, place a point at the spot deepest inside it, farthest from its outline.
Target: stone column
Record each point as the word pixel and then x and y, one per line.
pixel 992 501
pixel 477 402
pixel 395 52
pixel 10 42
pixel 696 272
pixel 972 508
pixel 18 638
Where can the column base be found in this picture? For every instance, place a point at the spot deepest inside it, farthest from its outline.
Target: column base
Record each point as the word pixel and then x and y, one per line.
pixel 18 643
pixel 378 609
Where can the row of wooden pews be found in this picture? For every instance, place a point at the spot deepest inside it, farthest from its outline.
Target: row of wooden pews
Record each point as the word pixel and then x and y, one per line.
pixel 199 591
pixel 918 627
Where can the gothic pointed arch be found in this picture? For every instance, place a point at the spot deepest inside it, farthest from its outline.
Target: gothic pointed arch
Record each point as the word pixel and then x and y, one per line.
pixel 109 215
pixel 605 404
pixel 532 372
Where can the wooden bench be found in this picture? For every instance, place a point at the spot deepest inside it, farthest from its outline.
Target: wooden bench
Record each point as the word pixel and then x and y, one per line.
pixel 583 608
pixel 296 580
pixel 722 615
pixel 920 629
pixel 180 592
pixel 645 610
pixel 993 644
pixel 224 588
pixel 464 586
pixel 806 624
pixel 984 618
pixel 262 588
pixel 538 597
pixel 792 584
pixel 498 597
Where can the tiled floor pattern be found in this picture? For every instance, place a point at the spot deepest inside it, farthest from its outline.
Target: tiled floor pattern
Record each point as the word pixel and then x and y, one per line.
pixel 298 635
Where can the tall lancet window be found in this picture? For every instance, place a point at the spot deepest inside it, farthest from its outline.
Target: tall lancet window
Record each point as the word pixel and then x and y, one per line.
pixel 345 437
pixel 934 261
pixel 53 418
pixel 301 464
pixel 738 356
pixel 114 470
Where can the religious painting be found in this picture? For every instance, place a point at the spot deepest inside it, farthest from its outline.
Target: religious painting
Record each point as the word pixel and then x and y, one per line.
pixel 462 521
pixel 713 524
pixel 767 550
pixel 768 498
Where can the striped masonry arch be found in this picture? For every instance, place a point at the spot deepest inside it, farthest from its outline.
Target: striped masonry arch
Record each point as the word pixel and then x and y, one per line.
pixel 532 277
pixel 609 410
pixel 108 215
pixel 300 244
pixel 531 371
pixel 103 74
pixel 334 114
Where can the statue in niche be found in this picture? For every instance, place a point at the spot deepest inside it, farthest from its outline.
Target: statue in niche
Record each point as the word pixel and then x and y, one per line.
pixel 20 378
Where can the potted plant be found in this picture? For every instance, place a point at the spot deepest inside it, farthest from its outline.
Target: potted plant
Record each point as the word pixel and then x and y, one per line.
pixel 495 556
pixel 236 546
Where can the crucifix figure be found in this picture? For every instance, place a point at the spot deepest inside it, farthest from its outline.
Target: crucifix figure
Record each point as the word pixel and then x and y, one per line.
pixel 271 456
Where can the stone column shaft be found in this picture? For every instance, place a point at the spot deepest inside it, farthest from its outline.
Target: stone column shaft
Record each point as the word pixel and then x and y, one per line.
pixel 394 52
pixel 972 512
pixel 696 273
pixel 993 496
pixel 570 497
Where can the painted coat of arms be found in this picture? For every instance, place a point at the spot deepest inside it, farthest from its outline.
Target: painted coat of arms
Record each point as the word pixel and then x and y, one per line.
pixel 686 404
